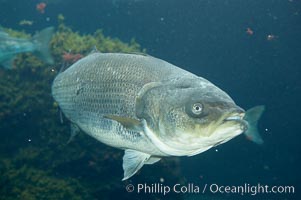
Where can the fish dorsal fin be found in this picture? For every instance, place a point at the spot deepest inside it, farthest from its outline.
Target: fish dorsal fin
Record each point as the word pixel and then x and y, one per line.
pixel 132 162
pixel 94 50
pixel 126 122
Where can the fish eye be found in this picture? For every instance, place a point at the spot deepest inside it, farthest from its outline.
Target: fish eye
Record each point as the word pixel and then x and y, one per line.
pixel 197 108
pixel 194 109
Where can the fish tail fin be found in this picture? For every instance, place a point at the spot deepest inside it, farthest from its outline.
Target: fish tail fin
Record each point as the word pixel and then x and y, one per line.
pixel 41 41
pixel 252 116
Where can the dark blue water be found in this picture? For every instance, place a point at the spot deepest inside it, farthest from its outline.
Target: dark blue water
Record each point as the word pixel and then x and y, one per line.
pixel 209 38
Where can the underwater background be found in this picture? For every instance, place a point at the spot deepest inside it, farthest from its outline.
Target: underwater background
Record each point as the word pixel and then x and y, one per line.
pixel 251 49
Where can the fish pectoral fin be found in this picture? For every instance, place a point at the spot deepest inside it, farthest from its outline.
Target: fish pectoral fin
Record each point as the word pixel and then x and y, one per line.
pixel 132 162
pixel 128 123
pixel 252 116
pixel 74 131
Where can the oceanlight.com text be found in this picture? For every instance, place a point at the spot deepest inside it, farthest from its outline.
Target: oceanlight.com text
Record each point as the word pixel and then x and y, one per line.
pixel 251 189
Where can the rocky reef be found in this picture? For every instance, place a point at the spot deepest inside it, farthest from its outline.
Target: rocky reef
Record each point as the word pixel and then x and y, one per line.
pixel 36 161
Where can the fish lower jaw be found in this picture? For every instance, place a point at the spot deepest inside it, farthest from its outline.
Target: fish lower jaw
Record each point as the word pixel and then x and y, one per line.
pixel 217 138
pixel 227 135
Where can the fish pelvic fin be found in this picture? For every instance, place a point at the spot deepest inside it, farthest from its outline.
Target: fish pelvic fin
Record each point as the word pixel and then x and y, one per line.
pixel 252 116
pixel 133 161
pixel 152 160
pixel 41 42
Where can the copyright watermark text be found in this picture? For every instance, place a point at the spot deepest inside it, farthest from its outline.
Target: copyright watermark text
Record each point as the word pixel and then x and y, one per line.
pixel 191 188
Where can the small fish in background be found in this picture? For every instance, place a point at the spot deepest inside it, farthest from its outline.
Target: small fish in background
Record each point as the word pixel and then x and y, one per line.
pixel 271 37
pixel 25 22
pixel 41 7
pixel 249 31
pixel 38 45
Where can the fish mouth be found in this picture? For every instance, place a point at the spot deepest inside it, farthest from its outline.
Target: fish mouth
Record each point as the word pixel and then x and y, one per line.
pixel 235 114
pixel 237 118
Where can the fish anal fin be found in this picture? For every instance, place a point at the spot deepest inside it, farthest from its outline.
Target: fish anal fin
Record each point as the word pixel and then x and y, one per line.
pixel 133 161
pixel 61 116
pixel 74 131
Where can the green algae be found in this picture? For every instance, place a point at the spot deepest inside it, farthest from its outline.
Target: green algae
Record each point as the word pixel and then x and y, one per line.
pixel 27 182
pixel 36 162
pixel 69 41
